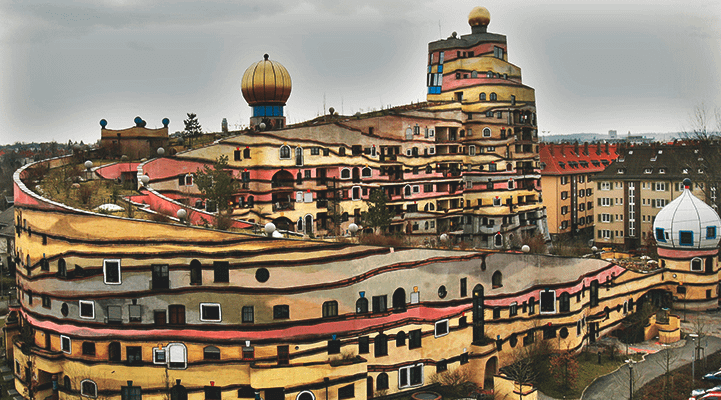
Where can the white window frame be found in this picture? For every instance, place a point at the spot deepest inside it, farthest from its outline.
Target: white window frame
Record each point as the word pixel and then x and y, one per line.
pixel 605 202
pixel 105 271
pixel 660 187
pixel 435 328
pixel 407 370
pixel 690 264
pixel 605 217
pixel 185 181
pixel 80 308
pixel 555 300
pixel 169 354
pixel 156 351
pixel 69 350
pixel 350 174
pixel 82 393
pixel 370 172
pixel 472 150
pixel 360 193
pixel 497 201
pixel 415 189
pixel 220 312
pixel 487 132
pixel 606 185
pixel 280 153
pixel 431 150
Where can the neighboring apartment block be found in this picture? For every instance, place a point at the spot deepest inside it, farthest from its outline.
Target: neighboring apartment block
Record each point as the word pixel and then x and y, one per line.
pixel 566 171
pixel 644 179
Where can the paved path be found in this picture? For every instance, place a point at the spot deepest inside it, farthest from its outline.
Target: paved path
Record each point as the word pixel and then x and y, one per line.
pixel 615 385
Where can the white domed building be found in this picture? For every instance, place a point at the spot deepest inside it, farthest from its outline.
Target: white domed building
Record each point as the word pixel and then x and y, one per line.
pixel 687 236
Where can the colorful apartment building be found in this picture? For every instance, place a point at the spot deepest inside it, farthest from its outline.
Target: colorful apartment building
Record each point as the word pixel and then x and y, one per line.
pixel 566 171
pixel 644 179
pixel 464 166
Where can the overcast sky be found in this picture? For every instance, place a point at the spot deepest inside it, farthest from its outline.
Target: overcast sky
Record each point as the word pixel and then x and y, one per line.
pixel 65 64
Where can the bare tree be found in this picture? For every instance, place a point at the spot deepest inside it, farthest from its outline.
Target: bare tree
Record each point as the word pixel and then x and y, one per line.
pixel 704 135
pixel 667 358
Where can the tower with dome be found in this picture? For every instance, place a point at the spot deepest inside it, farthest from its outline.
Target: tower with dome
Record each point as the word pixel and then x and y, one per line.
pixel 687 237
pixel 266 87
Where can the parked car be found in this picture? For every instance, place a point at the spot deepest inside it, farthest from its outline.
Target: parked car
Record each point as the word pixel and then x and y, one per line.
pixel 700 392
pixel 715 395
pixel 712 376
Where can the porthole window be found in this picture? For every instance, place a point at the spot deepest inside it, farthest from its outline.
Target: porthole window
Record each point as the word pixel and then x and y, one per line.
pixel 262 275
pixel 513 340
pixel 442 292
pixel 64 310
pixel 564 332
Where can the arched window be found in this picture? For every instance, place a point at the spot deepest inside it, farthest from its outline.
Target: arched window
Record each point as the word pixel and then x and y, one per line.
pixel 380 345
pixel 211 353
pixel 482 97
pixel 298 156
pixel 196 273
pixel 382 381
pixel 299 178
pixel 62 268
pixel 67 383
pixel 88 388
pixel 565 302
pixel 498 240
pixel 284 152
pixel 510 183
pixel 361 305
pixel 305 395
pixel 345 173
pixel 429 169
pixel 177 356
pixel 399 300
pixel 251 201
pixel 433 207
pixel 407 190
pixel 696 264
pixel 367 172
pixel 330 309
pixel 497 279
pixel 400 339
pixel 494 97
pixel 486 132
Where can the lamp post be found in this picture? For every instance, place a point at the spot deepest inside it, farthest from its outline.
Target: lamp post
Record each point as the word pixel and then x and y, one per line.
pixel 630 378
pixel 693 359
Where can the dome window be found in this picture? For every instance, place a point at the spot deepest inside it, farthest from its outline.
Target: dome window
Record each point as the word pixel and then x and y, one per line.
pixel 696 264
pixel 685 238
pixel 710 232
pixel 660 235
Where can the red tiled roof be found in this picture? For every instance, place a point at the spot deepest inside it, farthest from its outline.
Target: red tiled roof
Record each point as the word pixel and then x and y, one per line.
pixel 568 159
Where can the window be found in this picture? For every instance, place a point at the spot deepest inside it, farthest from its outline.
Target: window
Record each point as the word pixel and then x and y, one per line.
pixel 131 393
pixel 487 132
pixel 379 304
pixel 210 312
pixel 604 201
pixel 361 305
pixel 382 381
pixel 46 301
pixel 330 309
pixel 88 388
pixel 513 309
pixel 211 353
pixel 281 311
pixel 220 271
pixel 380 345
pixel 248 314
pixel 88 348
pixel 604 185
pixel 134 354
pixel 345 173
pixel 159 356
pixel 334 346
pixel 315 151
pixel 410 376
pixel 414 338
pixel 441 328
pixel 441 366
pixel 548 301
pixel 686 238
pixel 111 272
pixel 564 195
pixel 363 345
pixel 497 279
pixel 177 356
pixel 710 232
pixel 660 186
pixel 285 152
pixel 196 273
pixel 564 180
pixel 159 317
pixel 464 287
pixel 65 344
pixel 564 302
pixel 346 392
pixel 696 264
pixel 213 392
pixel 87 309
pixel 177 314
pixel 494 97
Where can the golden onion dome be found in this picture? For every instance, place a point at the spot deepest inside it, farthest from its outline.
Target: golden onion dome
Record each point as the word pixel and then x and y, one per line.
pixel 265 82
pixel 479 16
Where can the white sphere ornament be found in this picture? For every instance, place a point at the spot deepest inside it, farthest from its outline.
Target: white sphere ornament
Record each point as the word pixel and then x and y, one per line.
pixel 145 179
pixel 353 228
pixel 182 214
pixel 269 228
pixel 594 249
pixel 161 151
pixel 526 248
pixel 262 126
pixel 444 238
pixel 277 234
pixel 88 164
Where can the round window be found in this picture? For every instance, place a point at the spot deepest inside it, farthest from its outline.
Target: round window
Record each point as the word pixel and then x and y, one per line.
pixel 64 309
pixel 262 275
pixel 442 292
pixel 513 340
pixel 564 332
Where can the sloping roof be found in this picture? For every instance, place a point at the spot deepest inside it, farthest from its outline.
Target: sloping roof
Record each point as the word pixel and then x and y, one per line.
pixel 656 162
pixel 569 159
pixel 7 227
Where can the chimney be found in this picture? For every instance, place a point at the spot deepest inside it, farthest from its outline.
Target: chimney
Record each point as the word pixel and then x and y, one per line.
pixel 607 149
pixel 550 148
pixel 585 148
pixel 598 148
pixel 563 149
pixel 575 148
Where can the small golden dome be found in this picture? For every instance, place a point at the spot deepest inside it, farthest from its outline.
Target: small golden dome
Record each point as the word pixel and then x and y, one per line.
pixel 479 16
pixel 266 82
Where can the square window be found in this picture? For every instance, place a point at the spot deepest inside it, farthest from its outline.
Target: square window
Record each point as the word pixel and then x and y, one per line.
pixel 134 354
pixel 159 356
pixel 220 271
pixel 548 302
pixel 686 238
pixel 441 328
pixel 65 344
pixel 88 348
pixel 363 345
pixel 710 232
pixel 414 338
pixel 410 376
pixel 111 272
pixel 210 312
pixel 281 312
pixel 87 309
pixel 379 304
pixel 248 314
pixel 334 346
pixel 346 392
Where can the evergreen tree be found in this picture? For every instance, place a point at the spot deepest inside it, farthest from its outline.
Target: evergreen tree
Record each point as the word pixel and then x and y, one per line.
pixel 216 184
pixel 378 214
pixel 192 128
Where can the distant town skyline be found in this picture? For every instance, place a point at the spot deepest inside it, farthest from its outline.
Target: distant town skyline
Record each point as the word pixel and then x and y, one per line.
pixel 638 66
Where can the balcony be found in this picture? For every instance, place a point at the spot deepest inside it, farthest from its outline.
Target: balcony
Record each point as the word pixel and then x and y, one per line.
pixel 283 206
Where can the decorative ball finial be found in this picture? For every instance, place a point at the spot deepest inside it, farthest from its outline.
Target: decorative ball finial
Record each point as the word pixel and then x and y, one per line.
pixel 479 16
pixel 266 56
